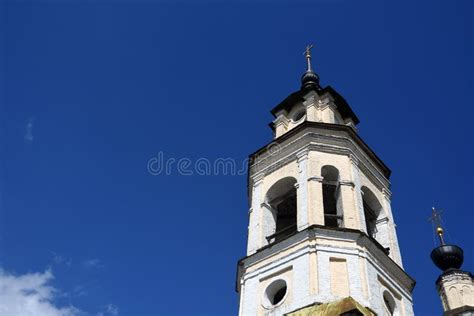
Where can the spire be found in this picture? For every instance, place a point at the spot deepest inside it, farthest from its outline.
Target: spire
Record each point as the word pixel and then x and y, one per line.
pixel 445 256
pixel 436 219
pixel 307 54
pixel 309 80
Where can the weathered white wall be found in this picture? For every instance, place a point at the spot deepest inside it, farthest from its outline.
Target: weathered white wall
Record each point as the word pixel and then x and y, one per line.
pixel 305 263
pixel 307 269
pixel 456 289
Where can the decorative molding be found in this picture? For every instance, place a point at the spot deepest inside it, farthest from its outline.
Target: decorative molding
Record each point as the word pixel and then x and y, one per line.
pixel 258 178
pixel 386 193
pixel 346 146
pixel 266 205
pixel 302 155
pixel 382 220
pixel 325 101
pixel 316 178
pixel 366 248
pixel 331 182
pixel 354 160
pixel 281 119
pixel 351 125
pixel 311 100
pixel 347 182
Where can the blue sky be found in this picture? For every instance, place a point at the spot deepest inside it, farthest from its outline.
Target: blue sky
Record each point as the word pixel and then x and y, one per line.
pixel 92 90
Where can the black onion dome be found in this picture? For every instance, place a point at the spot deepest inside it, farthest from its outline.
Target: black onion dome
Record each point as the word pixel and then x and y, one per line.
pixel 447 257
pixel 310 80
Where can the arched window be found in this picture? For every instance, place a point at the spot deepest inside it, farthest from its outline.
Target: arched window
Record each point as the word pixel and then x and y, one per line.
pixel 281 204
pixel 297 114
pixel 331 197
pixel 389 303
pixel 372 209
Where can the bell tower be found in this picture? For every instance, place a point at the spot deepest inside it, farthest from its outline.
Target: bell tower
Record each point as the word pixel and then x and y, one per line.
pixel 321 234
pixel 455 286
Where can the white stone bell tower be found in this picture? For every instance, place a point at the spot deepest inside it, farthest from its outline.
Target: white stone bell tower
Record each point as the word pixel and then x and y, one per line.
pixel 455 286
pixel 321 234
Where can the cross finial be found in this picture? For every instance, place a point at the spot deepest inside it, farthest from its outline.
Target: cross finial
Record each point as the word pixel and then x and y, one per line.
pixel 307 54
pixel 436 220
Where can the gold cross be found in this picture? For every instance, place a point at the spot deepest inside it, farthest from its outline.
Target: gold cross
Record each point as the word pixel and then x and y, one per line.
pixel 436 219
pixel 307 52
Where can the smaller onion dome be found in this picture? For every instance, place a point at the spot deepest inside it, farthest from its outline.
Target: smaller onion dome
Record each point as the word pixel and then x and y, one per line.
pixel 310 80
pixel 447 257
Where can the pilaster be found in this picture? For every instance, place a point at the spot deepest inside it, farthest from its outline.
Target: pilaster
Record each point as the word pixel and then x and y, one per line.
pixel 348 207
pixel 302 190
pixel 315 201
pixel 394 248
pixel 357 192
pixel 456 289
pixel 311 108
pixel 255 214
pixel 280 124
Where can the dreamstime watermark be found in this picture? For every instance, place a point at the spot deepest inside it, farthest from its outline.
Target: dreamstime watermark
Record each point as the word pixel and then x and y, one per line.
pixel 161 165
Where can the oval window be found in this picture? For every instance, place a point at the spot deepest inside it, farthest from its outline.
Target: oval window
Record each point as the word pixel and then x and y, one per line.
pixel 275 293
pixel 298 115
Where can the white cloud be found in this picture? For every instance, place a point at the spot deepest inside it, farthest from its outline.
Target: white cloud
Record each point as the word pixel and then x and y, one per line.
pixel 29 130
pixel 112 309
pixel 109 310
pixel 60 259
pixel 30 295
pixel 93 263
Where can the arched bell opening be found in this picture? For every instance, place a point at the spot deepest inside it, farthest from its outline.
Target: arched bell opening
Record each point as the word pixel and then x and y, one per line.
pixel 372 211
pixel 332 203
pixel 280 214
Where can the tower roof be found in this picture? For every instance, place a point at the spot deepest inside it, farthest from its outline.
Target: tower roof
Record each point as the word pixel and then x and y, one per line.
pixel 445 256
pixel 310 82
pixel 298 96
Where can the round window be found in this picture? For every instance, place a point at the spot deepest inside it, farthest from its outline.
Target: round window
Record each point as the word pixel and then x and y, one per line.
pixel 298 115
pixel 275 293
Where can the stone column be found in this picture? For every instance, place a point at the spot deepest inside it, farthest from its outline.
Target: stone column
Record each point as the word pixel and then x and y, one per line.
pixel 302 190
pixel 392 234
pixel 311 108
pixel 250 291
pixel 255 215
pixel 348 204
pixel 383 230
pixel 347 187
pixel 268 223
pixel 324 277
pixel 359 206
pixel 315 200
pixel 301 280
pixel 280 124
pixel 315 191
pixel 355 278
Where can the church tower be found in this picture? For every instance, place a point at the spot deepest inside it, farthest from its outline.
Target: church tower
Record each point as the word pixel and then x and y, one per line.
pixel 321 234
pixel 455 287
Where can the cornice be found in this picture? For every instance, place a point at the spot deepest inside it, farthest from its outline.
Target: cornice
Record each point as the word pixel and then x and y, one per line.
pixel 374 252
pixel 363 146
pixel 264 163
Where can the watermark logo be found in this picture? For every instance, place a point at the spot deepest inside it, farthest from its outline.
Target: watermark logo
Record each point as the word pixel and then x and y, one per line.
pixel 162 165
